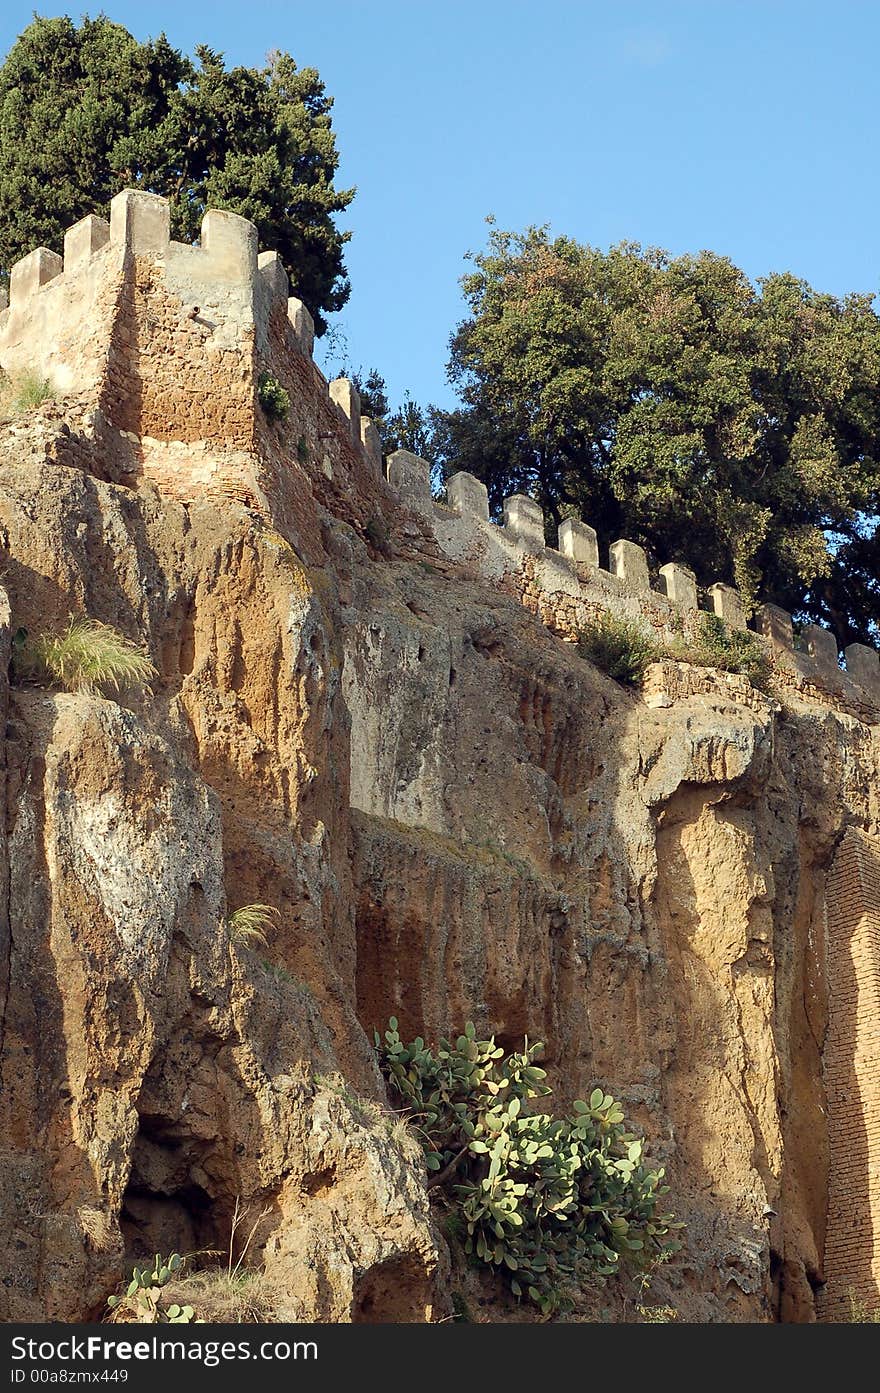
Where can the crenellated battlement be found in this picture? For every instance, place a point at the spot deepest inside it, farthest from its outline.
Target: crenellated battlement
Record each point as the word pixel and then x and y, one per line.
pixel 567 586
pixel 47 291
pixel 169 342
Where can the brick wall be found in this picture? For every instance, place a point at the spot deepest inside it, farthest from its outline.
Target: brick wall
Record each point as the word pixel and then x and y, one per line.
pixel 852 1078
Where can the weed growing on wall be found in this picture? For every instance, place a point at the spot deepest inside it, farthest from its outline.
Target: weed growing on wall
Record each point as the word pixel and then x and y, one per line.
pixel 21 394
pixel 623 649
pixel 731 650
pixel 272 397
pixel 87 656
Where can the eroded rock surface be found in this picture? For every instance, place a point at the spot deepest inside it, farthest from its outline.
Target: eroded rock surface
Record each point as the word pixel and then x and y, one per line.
pixel 456 818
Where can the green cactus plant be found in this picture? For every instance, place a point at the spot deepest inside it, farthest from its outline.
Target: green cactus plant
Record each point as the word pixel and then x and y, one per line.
pixel 142 1299
pixel 550 1203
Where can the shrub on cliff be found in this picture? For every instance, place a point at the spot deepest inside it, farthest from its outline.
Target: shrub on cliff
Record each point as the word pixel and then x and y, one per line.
pixel 549 1203
pixel 731 650
pixel 85 657
pixel 619 647
pixel 87 110
pixel 272 397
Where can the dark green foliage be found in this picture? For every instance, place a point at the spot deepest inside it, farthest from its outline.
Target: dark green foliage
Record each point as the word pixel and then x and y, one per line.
pixel 550 1203
pixel 421 430
pixel 619 647
pixel 371 389
pixel 87 110
pixel 667 400
pixel 274 400
pixel 460 1309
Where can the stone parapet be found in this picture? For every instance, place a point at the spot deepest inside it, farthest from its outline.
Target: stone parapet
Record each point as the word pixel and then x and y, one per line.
pixel 567 586
pixel 173 341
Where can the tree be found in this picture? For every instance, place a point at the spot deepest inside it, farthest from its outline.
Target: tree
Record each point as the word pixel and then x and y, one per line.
pixel 86 111
pixel 730 427
pixel 373 394
pixel 419 429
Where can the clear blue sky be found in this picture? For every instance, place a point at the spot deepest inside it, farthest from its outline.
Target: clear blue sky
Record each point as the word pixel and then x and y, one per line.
pixel 749 128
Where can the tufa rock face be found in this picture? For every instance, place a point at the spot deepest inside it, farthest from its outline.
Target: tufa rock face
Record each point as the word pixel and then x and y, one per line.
pixel 152 1073
pixel 361 723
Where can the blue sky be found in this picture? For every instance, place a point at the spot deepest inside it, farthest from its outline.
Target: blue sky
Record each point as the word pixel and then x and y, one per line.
pixel 748 128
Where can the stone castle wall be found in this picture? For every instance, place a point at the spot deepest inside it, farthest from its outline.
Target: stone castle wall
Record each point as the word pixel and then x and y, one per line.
pixel 566 586
pixel 163 346
pixel 168 343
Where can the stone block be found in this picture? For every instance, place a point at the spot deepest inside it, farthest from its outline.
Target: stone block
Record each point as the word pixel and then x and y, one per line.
pixel 524 518
pixel 680 585
pixel 629 563
pixel 34 270
pixel 302 323
pixel 4 298
pixel 821 645
pixel 775 624
pixel 271 270
pixel 82 240
pixel 411 477
pixel 467 494
pixel 231 244
pixel 863 666
pixel 726 603
pixel 577 540
pixel 372 444
pixel 345 395
pixel 140 222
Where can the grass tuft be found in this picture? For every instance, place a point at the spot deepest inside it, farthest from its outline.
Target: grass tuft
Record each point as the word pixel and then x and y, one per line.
pixel 250 924
pixel 87 656
pixel 224 1297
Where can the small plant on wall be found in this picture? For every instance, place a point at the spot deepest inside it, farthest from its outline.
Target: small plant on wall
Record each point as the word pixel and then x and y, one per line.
pixel 549 1203
pixel 24 393
pixel 272 397
pixel 86 656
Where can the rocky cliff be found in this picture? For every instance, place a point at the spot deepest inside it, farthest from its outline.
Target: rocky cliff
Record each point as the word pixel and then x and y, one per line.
pixel 456 817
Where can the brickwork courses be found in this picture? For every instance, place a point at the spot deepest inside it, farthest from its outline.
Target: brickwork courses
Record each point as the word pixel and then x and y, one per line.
pixel 852 1079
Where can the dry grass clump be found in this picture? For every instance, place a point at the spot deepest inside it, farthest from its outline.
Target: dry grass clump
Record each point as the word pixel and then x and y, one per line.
pixel 87 656
pixel 218 1296
pixel 95 1227
pixel 250 924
